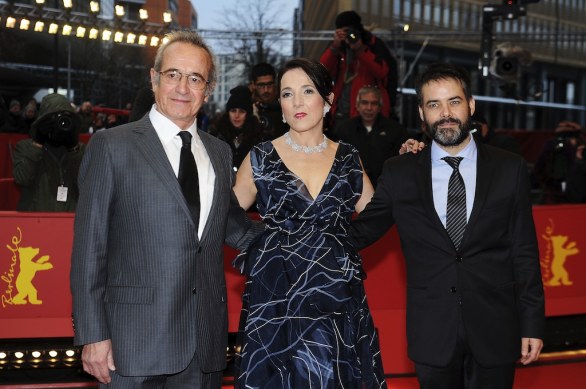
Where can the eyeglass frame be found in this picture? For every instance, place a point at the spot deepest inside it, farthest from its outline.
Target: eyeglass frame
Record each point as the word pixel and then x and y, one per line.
pixel 164 73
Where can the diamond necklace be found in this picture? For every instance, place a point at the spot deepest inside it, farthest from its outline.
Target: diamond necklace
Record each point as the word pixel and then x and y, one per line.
pixel 306 149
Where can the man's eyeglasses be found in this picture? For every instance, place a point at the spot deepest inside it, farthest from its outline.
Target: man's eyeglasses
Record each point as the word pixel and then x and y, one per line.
pixel 261 85
pixel 194 81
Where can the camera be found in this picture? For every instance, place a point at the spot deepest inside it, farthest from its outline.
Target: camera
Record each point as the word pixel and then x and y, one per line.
pixel 59 129
pixel 352 35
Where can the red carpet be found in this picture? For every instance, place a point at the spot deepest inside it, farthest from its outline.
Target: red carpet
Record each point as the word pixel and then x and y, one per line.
pixel 557 375
pixel 552 376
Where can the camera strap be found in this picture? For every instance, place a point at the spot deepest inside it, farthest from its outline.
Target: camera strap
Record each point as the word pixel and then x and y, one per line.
pixel 61 189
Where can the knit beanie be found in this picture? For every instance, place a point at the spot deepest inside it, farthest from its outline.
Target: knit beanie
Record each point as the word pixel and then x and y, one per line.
pixel 52 103
pixel 347 19
pixel 240 97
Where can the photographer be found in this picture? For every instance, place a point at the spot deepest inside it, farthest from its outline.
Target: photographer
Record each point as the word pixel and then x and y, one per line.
pixel 556 160
pixel 266 106
pixel 576 180
pixel 357 58
pixel 46 166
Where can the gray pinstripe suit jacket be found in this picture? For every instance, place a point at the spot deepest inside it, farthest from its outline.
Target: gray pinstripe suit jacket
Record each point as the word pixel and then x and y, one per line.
pixel 139 274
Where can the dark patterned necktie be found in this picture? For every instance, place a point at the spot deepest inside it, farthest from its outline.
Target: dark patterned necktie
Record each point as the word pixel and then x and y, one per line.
pixel 187 176
pixel 456 212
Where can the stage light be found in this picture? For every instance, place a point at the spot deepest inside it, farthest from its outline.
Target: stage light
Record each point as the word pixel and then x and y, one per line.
pixel 94 32
pixel 53 353
pixel 53 28
pixel 106 35
pixel 10 22
pixel 404 27
pixel 66 30
pixel 80 33
pixel 119 11
pixel 118 36
pixel 40 2
pixel 143 14
pixel 95 7
pixel 25 24
pixel 68 4
pixel 19 354
pixel 155 41
pixel 70 353
pixel 3 355
pixel 165 40
pixel 39 26
pixel 130 38
pixel 36 354
pixel 167 18
pixel 142 40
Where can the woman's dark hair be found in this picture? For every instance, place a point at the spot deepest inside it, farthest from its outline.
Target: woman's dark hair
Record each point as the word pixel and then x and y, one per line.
pixel 316 72
pixel 443 71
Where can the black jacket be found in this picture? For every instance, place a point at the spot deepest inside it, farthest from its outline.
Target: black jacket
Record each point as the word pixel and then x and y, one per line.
pixel 374 147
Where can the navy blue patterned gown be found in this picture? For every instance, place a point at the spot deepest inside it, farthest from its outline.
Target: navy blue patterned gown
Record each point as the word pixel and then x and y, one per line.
pixel 305 322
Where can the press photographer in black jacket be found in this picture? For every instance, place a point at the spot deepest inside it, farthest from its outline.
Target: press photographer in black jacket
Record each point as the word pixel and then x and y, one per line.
pixel 46 165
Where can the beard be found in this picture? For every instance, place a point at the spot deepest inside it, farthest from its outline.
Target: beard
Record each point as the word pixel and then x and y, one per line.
pixel 449 136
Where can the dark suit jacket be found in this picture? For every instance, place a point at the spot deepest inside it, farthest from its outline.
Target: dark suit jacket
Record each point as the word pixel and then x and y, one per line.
pixel 493 282
pixel 382 143
pixel 139 274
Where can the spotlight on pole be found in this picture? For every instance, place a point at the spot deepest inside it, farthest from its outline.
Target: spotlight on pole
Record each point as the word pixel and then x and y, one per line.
pixel 119 11
pixel 39 26
pixel 94 32
pixel 53 28
pixel 10 22
pixel 66 30
pixel 106 35
pixel 80 32
pixel 25 24
pixel 95 7
pixel 167 17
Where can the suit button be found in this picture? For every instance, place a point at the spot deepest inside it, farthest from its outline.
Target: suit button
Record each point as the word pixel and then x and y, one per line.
pixel 194 291
pixel 453 289
pixel 459 258
pixel 199 250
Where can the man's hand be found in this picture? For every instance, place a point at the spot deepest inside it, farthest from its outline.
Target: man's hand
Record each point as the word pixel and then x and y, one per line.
pixel 339 37
pixel 530 349
pixel 98 360
pixel 411 146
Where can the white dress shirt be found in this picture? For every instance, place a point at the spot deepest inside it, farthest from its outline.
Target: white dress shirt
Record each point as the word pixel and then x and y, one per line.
pixel 441 172
pixel 167 132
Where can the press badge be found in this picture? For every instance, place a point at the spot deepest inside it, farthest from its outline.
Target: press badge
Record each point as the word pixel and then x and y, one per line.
pixel 62 193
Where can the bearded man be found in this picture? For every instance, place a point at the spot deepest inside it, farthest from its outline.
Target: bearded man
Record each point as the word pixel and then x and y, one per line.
pixel 475 303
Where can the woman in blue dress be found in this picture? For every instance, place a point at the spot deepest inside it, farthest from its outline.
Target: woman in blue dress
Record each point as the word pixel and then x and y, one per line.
pixel 305 321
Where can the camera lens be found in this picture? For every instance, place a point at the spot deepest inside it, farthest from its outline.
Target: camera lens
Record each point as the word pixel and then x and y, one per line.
pixel 352 36
pixel 64 122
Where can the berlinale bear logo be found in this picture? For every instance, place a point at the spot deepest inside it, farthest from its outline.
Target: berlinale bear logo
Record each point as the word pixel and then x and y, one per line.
pixel 557 252
pixel 24 266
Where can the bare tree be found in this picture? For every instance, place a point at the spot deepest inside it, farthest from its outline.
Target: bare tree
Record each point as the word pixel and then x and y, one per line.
pixel 259 27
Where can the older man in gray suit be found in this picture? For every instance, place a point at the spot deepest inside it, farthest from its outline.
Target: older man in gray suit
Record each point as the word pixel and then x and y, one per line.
pixel 147 277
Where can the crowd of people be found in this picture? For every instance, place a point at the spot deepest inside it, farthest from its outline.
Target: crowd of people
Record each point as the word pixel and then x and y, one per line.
pixel 157 198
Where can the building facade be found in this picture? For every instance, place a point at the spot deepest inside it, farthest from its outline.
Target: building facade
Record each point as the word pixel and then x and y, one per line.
pixel 550 37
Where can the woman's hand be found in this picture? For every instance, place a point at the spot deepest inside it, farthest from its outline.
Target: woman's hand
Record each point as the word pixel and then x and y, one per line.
pixel 411 146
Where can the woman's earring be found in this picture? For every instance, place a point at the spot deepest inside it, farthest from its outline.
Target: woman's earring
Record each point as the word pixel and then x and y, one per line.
pixel 284 121
pixel 326 109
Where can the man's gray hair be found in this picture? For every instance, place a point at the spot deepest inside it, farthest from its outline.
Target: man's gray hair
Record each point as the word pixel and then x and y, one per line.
pixel 370 89
pixel 192 38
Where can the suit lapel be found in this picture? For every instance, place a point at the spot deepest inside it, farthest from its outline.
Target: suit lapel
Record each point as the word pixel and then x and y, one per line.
pixel 425 187
pixel 484 175
pixel 149 144
pixel 217 163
